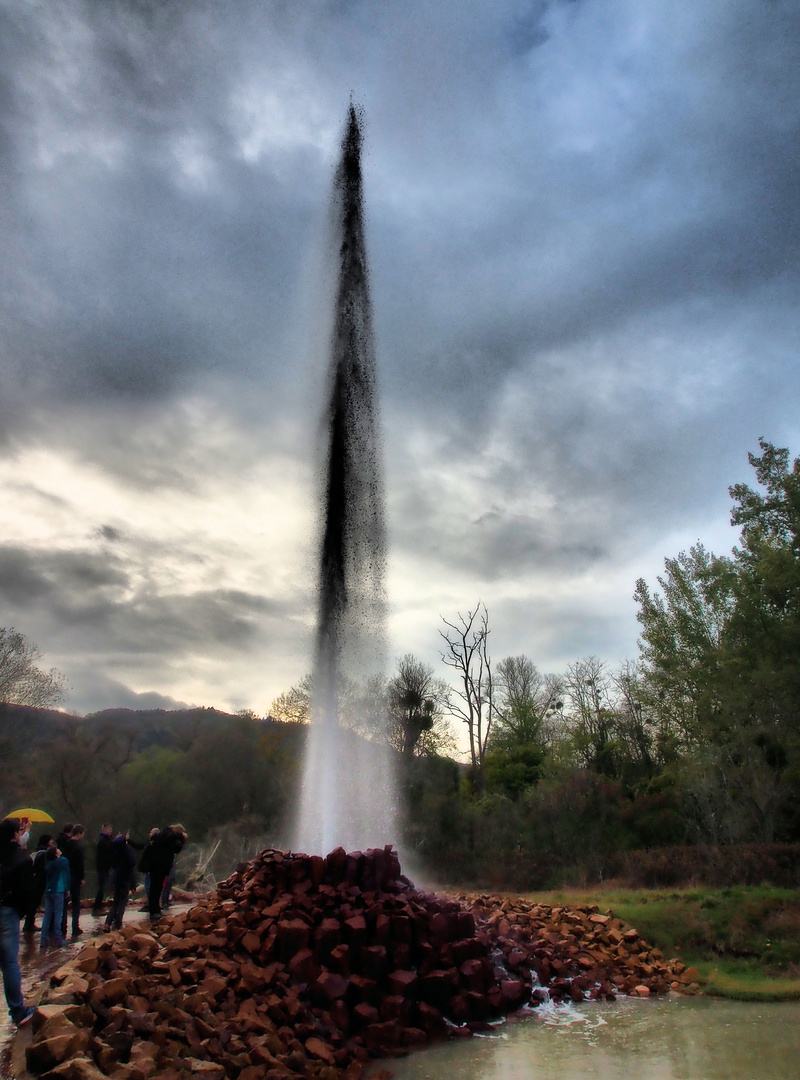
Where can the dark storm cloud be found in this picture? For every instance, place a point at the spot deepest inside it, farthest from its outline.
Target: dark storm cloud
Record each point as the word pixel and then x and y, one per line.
pixel 40 577
pixel 650 175
pixel 147 251
pixel 96 597
pixel 570 178
pixel 584 233
pixel 640 199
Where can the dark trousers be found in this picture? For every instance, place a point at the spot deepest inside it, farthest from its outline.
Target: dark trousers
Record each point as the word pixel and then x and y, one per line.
pixel 122 889
pixel 105 880
pixel 74 906
pixel 30 915
pixel 157 877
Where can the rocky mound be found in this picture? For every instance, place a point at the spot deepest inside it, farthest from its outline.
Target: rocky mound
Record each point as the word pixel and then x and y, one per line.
pixel 576 952
pixel 304 966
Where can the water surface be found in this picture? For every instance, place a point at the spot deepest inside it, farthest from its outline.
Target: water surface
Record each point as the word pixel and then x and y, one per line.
pixel 667 1039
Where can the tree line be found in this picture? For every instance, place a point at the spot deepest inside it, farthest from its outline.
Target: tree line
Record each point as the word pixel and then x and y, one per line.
pixel 695 741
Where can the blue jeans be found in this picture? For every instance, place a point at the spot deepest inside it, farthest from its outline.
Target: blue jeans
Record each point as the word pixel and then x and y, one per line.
pixel 51 922
pixel 9 962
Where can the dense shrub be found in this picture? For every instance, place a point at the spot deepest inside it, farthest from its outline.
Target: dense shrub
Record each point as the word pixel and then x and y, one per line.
pixel 733 864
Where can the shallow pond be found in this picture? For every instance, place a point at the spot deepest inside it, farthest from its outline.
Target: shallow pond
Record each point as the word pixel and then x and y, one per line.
pixel 668 1039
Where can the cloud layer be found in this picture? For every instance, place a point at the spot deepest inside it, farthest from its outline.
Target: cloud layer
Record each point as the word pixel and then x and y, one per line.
pixel 584 234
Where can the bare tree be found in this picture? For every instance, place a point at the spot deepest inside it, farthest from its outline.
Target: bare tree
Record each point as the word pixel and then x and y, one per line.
pixel 293 706
pixel 591 714
pixel 467 652
pixel 525 701
pixel 635 726
pixel 361 705
pixel 22 681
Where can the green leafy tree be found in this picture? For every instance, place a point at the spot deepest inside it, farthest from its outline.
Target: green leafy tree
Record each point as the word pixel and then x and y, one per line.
pixel 719 653
pixel 590 715
pixel 643 749
pixel 681 640
pixel 510 771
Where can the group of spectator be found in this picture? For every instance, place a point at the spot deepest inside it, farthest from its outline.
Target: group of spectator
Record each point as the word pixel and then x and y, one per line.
pixel 59 885
pixel 116 868
pixel 55 875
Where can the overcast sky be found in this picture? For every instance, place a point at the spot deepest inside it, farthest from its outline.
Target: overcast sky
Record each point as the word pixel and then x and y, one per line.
pixel 583 231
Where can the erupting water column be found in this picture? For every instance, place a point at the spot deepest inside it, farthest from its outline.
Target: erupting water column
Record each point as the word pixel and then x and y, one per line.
pixel 348 785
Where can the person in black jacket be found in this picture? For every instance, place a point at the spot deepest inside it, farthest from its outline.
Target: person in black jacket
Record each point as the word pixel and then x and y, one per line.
pixel 123 864
pixel 144 866
pixel 16 885
pixel 103 865
pixel 161 854
pixel 39 859
pixel 73 849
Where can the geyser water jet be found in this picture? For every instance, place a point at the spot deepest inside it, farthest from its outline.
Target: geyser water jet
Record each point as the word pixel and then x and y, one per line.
pixel 348 785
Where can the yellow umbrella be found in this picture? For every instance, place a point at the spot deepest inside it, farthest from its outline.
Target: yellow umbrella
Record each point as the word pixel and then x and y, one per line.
pixel 30 813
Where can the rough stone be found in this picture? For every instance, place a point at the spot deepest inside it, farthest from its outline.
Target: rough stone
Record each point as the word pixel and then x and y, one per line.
pixel 45 1053
pixel 78 1068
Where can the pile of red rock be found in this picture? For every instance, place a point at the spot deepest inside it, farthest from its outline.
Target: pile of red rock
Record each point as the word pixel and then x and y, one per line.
pixel 576 952
pixel 304 966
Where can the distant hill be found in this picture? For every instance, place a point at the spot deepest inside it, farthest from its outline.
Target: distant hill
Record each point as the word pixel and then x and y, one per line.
pixel 141 765
pixel 29 728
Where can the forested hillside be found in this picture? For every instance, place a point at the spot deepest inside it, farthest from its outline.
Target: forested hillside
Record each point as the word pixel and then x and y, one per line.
pixel 140 769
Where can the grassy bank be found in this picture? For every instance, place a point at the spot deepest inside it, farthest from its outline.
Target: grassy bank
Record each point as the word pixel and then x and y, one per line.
pixel 744 940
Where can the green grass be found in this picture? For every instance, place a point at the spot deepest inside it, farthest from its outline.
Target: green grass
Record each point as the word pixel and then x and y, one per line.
pixel 744 941
pixel 732 979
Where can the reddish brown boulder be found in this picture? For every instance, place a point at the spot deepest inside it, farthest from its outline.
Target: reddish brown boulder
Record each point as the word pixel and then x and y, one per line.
pixel 78 1068
pixel 362 989
pixel 437 987
pixel 293 935
pixel 355 931
pixel 382 1036
pixel 46 1052
pixel 331 986
pixel 304 967
pixel 326 937
pixel 339 959
pixel 403 983
pixel 320 1050
pixel 374 962
pixel 365 1014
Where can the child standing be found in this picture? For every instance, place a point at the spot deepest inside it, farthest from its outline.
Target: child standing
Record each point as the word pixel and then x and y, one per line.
pixel 57 882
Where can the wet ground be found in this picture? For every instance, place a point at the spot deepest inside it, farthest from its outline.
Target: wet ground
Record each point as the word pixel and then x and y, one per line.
pixel 37 967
